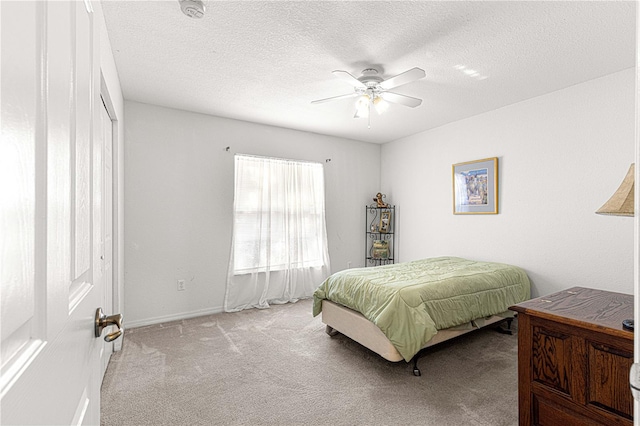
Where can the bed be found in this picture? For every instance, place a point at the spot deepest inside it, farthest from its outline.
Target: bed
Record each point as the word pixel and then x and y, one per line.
pixel 397 310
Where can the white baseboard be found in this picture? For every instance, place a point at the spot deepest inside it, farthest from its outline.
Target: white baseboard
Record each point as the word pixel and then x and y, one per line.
pixel 173 317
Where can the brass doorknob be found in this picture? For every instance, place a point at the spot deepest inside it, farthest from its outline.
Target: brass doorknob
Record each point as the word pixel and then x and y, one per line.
pixel 103 321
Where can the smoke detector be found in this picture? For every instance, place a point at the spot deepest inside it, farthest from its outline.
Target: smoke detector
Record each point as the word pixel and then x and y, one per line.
pixel 192 8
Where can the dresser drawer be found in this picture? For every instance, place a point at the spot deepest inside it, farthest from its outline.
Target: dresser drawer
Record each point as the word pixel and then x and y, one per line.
pixel 546 412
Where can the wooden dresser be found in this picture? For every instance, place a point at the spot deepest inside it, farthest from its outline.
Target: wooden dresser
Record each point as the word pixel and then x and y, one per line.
pixel 574 359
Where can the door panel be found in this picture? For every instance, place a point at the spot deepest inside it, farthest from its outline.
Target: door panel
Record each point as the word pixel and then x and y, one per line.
pixel 19 88
pixel 59 134
pixel 51 183
pixel 82 150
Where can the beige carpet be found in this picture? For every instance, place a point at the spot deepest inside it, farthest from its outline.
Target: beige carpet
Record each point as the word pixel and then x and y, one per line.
pixel 278 367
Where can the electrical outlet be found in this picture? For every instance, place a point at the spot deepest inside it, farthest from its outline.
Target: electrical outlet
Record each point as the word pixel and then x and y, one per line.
pixel 181 285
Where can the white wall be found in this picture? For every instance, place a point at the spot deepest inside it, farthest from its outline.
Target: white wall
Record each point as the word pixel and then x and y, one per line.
pixel 179 199
pixel 561 156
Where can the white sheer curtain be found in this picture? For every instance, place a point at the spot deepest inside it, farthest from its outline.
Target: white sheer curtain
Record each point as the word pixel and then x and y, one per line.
pixel 279 250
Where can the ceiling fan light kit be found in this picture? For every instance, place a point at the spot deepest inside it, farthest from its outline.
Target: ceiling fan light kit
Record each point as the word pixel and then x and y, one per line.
pixel 380 105
pixel 363 105
pixel 371 89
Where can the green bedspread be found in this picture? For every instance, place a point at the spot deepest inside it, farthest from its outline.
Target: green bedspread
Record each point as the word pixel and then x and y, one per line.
pixel 411 301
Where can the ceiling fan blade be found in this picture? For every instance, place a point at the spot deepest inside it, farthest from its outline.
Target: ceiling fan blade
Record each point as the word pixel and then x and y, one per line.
pixel 348 78
pixel 406 77
pixel 401 99
pixel 319 101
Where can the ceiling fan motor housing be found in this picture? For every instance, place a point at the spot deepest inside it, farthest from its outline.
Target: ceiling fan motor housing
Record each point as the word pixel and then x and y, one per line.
pixel 370 77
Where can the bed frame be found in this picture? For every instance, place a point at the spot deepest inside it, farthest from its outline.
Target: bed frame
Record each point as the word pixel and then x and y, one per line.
pixel 355 326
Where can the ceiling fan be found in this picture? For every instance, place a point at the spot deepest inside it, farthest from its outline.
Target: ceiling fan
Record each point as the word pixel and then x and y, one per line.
pixel 371 89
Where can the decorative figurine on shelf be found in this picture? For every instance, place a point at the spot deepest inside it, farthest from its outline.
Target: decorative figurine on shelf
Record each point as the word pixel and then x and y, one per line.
pixel 379 201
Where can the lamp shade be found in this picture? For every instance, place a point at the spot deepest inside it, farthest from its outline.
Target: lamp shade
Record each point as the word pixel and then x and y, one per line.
pixel 621 202
pixel 362 107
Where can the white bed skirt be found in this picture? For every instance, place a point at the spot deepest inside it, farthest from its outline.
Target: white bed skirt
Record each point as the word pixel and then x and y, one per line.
pixel 355 326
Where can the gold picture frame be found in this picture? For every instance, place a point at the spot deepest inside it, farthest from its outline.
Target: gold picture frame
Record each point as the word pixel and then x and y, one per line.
pixel 475 187
pixel 385 221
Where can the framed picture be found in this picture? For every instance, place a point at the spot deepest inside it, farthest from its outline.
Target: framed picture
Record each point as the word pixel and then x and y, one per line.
pixel 385 221
pixel 475 187
pixel 380 249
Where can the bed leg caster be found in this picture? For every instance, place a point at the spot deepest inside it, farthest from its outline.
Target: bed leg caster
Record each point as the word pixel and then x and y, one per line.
pixel 331 331
pixel 416 370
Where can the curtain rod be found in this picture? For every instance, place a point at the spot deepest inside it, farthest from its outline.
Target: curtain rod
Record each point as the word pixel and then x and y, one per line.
pixel 281 159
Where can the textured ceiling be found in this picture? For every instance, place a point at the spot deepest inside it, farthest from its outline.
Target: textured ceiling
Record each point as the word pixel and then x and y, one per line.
pixel 265 61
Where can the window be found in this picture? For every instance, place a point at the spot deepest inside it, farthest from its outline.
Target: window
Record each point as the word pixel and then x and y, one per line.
pixel 279 219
